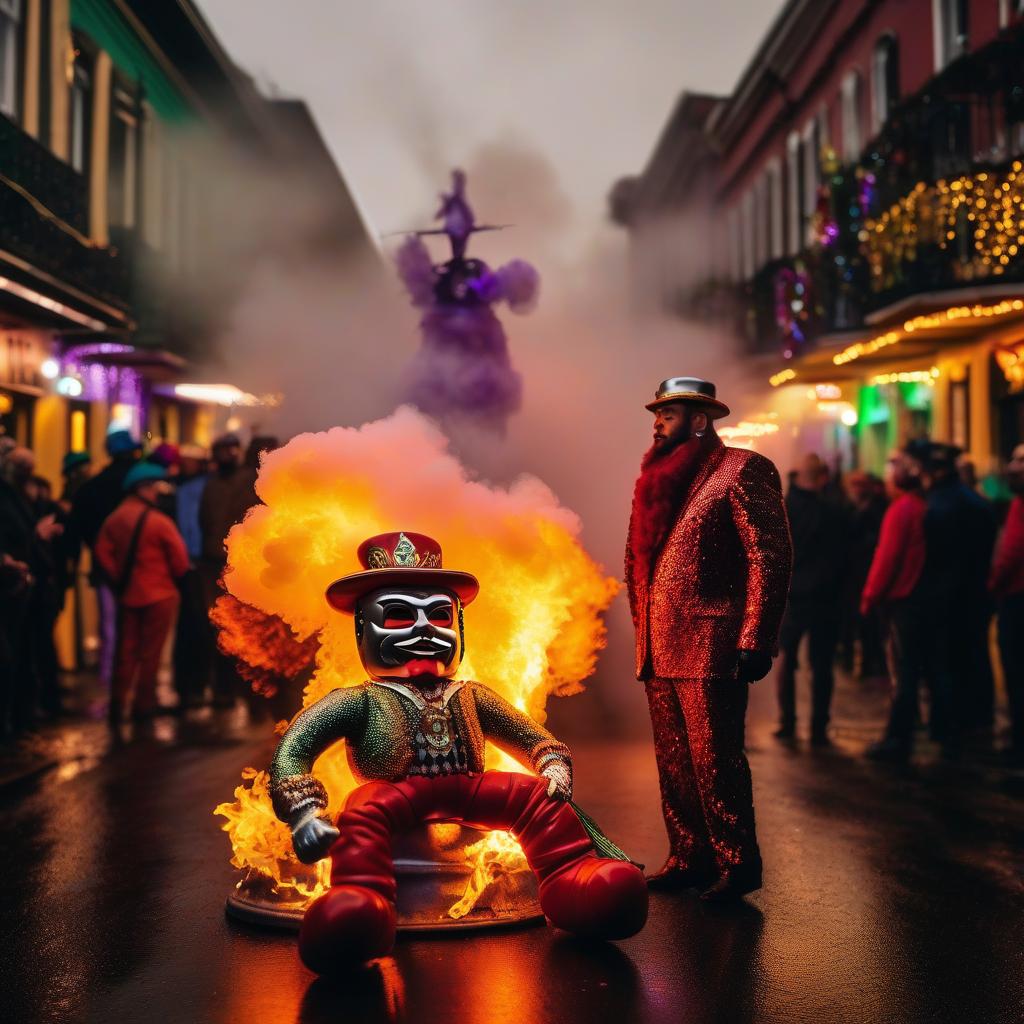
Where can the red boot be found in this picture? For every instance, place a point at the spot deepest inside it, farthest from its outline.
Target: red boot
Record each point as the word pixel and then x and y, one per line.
pixel 597 898
pixel 345 927
pixel 580 892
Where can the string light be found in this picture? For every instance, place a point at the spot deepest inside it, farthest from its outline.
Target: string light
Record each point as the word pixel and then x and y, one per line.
pixel 907 377
pixel 982 216
pixel 782 377
pixel 928 322
pixel 223 394
pixel 747 429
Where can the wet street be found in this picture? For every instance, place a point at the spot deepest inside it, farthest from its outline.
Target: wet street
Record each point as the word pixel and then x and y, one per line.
pixel 890 896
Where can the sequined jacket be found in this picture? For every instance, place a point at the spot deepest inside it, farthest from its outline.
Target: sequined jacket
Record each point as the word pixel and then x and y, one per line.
pixel 720 581
pixel 379 725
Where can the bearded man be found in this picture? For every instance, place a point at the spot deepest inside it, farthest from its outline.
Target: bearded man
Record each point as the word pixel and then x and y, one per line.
pixel 708 564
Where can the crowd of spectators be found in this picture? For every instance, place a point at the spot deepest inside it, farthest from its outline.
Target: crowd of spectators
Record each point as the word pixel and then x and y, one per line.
pixel 908 573
pixel 901 577
pixel 145 533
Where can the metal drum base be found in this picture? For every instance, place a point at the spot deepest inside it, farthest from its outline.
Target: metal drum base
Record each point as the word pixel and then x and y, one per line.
pixel 432 877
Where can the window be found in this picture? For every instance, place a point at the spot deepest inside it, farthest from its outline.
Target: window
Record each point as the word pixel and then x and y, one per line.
pixel 852 105
pixel 10 57
pixel 794 192
pixel 760 192
pixel 885 80
pixel 151 184
pixel 776 223
pixel 81 110
pixel 124 158
pixel 951 29
pixel 732 221
pixel 748 235
pixel 811 150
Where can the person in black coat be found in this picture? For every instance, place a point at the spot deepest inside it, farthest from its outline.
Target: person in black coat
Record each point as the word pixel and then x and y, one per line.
pixel 960 535
pixel 865 504
pixel 26 609
pixel 819 526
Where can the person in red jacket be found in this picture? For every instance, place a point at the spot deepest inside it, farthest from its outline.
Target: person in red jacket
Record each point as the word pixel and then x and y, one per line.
pixel 141 552
pixel 892 579
pixel 1007 585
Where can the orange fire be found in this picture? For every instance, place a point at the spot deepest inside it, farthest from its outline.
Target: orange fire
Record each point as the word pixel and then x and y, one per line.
pixel 534 630
pixel 263 646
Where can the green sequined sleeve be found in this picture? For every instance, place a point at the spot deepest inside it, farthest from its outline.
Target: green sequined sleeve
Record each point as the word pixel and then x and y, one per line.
pixel 340 715
pixel 514 732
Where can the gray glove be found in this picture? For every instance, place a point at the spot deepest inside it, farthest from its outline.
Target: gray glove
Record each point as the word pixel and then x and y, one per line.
pixel 312 836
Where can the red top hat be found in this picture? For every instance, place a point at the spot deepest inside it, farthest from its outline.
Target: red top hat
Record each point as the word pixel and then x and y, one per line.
pixel 401 560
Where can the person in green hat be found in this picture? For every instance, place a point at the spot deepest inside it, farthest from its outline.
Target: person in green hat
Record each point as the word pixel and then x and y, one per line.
pixel 75 469
pixel 142 555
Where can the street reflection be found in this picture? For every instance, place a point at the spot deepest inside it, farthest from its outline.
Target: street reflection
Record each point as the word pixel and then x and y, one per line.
pixel 374 992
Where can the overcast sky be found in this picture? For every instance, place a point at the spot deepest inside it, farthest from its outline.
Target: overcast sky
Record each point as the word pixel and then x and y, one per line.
pixel 404 89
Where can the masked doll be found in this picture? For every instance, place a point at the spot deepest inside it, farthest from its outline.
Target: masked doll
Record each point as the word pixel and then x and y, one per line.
pixel 415 740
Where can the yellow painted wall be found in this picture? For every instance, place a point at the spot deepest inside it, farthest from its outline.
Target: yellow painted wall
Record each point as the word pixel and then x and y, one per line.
pixel 99 224
pixel 983 442
pixel 50 437
pixel 60 68
pixel 941 426
pixel 30 90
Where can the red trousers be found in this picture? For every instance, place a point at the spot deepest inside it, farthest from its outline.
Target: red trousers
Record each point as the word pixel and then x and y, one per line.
pixel 141 634
pixel 706 793
pixel 579 891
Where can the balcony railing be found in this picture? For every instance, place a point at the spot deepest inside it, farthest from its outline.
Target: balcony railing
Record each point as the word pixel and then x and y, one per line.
pixel 937 203
pixel 950 233
pixel 57 185
pixel 44 218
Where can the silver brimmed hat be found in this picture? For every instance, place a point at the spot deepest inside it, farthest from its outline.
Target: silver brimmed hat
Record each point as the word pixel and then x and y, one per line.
pixel 689 389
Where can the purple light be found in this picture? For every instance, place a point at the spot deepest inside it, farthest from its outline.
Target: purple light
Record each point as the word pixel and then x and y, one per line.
pixel 98 348
pixel 102 383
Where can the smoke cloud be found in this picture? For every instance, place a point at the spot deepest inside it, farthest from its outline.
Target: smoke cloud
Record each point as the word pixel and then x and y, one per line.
pixel 334 337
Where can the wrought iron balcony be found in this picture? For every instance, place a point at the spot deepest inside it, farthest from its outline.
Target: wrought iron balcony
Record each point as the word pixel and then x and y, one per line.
pixel 44 210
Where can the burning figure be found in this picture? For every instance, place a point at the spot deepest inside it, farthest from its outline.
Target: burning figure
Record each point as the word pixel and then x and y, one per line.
pixel 416 743
pixel 463 368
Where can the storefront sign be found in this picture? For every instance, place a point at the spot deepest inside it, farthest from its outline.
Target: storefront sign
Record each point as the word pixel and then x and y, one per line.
pixel 21 358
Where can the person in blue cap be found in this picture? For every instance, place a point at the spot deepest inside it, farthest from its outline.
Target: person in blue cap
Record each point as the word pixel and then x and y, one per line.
pixel 142 556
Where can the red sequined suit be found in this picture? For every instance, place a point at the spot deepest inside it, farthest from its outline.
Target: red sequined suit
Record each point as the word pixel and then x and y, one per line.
pixel 707 567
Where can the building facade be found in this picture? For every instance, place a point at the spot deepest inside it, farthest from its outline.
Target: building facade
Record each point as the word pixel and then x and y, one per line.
pixel 142 179
pixel 135 158
pixel 867 204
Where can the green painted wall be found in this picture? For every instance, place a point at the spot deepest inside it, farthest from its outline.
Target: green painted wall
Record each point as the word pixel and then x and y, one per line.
pixel 106 27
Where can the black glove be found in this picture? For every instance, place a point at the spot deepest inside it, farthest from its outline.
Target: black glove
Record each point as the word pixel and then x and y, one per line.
pixel 752 665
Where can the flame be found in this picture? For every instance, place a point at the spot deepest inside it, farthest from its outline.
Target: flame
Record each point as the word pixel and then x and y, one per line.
pixel 535 629
pixel 264 646
pixel 492 858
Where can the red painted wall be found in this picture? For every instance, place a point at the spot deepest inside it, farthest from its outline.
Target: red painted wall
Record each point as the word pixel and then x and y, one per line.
pixel 847 41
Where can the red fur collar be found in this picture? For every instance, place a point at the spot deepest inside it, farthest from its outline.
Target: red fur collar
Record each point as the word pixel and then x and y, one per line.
pixel 657 498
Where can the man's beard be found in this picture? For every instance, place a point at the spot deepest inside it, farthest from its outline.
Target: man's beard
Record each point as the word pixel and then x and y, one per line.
pixel 1015 481
pixel 659 449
